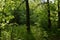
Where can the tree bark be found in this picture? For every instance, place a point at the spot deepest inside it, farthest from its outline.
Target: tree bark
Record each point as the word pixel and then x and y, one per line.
pixel 58 14
pixel 49 21
pixel 27 16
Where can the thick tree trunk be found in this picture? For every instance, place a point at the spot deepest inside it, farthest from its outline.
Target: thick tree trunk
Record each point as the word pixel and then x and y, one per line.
pixel 27 16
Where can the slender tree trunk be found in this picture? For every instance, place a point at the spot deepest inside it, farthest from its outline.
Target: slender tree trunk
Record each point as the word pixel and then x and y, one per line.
pixel 27 20
pixel 27 17
pixel 49 21
pixel 58 14
pixel 58 37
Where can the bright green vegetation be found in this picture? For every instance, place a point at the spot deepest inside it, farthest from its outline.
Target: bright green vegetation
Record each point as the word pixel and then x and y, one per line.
pixel 13 20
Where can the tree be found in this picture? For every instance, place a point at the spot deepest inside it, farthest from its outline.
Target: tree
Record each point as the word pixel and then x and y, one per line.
pixel 27 16
pixel 49 21
pixel 58 13
pixel 48 9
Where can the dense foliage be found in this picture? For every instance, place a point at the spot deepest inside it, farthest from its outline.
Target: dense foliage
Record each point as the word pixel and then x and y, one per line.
pixel 13 20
